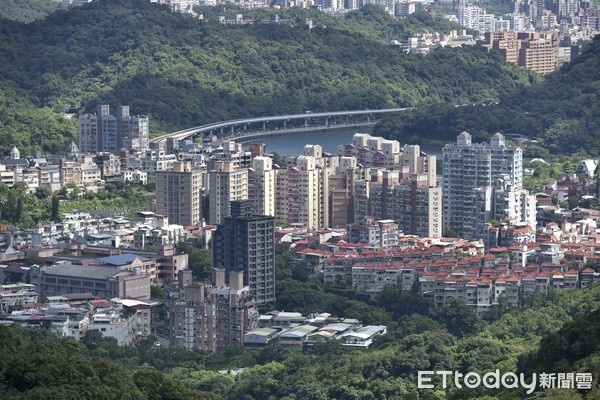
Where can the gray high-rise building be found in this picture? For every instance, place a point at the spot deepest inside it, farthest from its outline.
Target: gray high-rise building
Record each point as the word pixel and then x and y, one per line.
pixel 246 242
pixel 102 112
pixel 88 133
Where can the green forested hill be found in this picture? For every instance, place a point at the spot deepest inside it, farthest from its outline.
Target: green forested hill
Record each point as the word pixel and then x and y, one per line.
pixel 184 72
pixel 27 10
pixel 563 112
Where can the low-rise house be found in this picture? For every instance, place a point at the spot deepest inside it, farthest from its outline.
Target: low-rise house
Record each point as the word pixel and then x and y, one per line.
pixel 280 319
pixel 261 337
pixel 295 338
pixel 362 338
pixel 589 276
pixel 311 260
pixel 76 319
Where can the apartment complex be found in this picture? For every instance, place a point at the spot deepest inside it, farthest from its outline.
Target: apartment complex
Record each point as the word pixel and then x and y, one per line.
pixel 245 242
pixel 538 55
pixel 179 194
pixel 371 177
pixel 410 202
pixel 440 273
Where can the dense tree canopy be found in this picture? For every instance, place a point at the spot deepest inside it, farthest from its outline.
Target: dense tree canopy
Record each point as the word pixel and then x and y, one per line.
pixel 27 10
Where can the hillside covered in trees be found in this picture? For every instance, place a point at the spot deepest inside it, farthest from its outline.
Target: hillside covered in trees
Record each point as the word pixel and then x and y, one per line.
pixel 184 72
pixel 27 10
pixel 562 112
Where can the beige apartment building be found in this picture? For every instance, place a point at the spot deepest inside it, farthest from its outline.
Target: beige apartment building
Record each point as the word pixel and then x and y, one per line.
pixel 179 194
pixel 341 191
pixel 532 50
pixel 506 43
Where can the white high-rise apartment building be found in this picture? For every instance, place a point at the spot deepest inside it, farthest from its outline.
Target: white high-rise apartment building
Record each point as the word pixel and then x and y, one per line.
pixel 470 171
pixel 261 186
pixel 307 194
pixel 468 16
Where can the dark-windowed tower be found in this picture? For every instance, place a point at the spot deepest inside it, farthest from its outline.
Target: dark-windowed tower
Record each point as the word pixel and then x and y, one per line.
pixel 246 242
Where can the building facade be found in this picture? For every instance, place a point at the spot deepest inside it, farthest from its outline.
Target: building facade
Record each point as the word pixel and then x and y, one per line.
pixel 105 132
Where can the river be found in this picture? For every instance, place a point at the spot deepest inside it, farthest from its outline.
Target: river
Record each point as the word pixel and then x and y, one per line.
pixel 293 144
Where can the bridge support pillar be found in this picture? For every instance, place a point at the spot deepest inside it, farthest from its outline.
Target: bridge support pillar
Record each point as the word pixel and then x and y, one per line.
pixel 284 124
pixel 232 128
pixel 264 126
pixel 305 122
pixel 326 121
pixel 346 120
pixel 245 127
pixel 221 131
pixel 368 118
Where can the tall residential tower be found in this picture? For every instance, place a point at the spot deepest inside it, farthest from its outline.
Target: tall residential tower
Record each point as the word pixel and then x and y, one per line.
pixel 246 242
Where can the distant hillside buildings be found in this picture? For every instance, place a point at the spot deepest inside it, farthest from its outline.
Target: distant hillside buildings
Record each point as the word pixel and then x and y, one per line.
pixel 534 51
pixel 105 132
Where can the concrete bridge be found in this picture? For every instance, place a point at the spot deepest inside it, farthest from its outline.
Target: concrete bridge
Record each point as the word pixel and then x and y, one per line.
pixel 238 129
